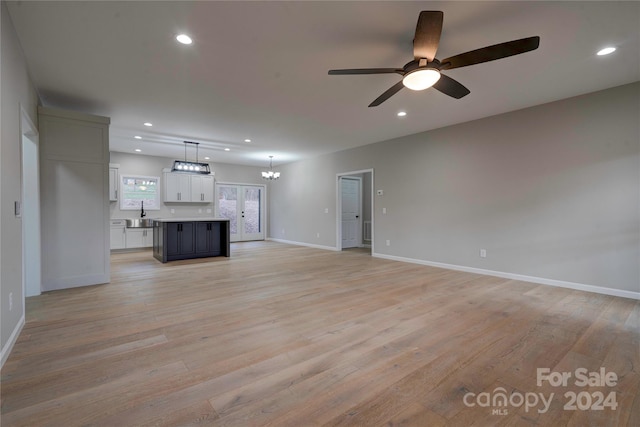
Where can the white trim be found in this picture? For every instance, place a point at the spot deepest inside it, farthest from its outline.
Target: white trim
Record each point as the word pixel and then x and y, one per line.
pixel 521 277
pixel 6 350
pixel 310 245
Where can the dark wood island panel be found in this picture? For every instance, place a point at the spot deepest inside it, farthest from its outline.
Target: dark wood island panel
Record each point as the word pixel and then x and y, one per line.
pixel 175 239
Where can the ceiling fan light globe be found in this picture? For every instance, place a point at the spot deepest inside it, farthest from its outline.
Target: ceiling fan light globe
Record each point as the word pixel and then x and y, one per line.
pixel 421 79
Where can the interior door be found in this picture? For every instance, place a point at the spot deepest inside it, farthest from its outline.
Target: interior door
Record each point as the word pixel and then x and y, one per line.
pixel 243 205
pixel 351 217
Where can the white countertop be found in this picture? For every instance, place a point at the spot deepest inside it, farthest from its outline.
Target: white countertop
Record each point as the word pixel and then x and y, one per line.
pixel 196 219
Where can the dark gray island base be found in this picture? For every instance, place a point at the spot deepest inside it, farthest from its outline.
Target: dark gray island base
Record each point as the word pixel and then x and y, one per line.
pixel 186 238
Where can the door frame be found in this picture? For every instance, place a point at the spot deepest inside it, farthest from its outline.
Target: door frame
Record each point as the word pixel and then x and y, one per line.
pixel 339 206
pixel 31 243
pixel 244 184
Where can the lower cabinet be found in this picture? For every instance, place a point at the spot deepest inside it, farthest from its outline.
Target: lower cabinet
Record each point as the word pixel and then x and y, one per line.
pixel 190 239
pixel 208 238
pixel 180 240
pixel 117 234
pixel 139 238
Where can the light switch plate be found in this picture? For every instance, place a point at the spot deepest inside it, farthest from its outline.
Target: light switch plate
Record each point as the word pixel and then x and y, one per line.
pixel 379 192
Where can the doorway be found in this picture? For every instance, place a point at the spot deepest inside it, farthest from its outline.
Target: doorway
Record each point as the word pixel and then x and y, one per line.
pixel 354 218
pixel 30 209
pixel 351 223
pixel 243 205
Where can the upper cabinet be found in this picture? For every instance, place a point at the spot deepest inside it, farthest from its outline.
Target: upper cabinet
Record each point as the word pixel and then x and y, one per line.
pixel 182 187
pixel 113 183
pixel 177 187
pixel 202 188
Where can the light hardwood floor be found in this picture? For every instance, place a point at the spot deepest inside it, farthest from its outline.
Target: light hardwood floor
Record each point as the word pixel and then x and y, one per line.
pixel 283 335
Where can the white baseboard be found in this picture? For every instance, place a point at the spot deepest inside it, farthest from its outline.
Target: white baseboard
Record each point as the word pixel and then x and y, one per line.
pixel 521 277
pixel 6 350
pixel 309 245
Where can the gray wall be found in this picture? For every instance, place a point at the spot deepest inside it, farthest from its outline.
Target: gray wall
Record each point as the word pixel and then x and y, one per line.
pixel 138 164
pixel 17 90
pixel 550 192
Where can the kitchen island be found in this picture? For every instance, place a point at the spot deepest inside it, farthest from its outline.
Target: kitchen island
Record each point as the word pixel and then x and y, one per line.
pixel 186 238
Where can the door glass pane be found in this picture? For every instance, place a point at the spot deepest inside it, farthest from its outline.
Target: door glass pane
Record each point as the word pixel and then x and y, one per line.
pixel 228 206
pixel 252 210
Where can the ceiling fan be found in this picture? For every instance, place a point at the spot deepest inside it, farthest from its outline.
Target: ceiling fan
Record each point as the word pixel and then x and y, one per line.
pixel 425 70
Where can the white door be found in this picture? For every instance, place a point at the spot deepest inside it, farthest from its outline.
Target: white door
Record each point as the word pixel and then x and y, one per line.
pixel 350 194
pixel 243 205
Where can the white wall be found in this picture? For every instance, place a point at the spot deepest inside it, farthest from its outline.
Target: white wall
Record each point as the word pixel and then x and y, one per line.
pixel 74 196
pixel 551 192
pixel 139 164
pixel 16 89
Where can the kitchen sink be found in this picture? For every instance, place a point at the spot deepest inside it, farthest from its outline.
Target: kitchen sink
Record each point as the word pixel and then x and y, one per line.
pixel 140 223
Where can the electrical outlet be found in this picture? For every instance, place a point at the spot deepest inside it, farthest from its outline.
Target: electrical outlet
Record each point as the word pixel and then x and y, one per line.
pixel 199 211
pixel 384 211
pixel 208 210
pixel 283 231
pixel 326 210
pixel 318 235
pixel 483 253
pixel 388 242
pixel 173 211
pixel 10 301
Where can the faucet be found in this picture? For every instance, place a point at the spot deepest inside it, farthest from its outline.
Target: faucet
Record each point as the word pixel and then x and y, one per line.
pixel 142 212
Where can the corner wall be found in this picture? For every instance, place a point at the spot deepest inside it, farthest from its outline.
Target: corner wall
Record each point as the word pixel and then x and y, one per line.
pixel 16 90
pixel 551 192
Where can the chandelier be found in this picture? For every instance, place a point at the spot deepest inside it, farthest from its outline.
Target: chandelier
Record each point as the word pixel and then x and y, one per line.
pixel 270 174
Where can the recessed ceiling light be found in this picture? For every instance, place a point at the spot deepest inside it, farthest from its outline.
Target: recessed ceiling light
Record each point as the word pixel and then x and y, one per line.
pixel 137 137
pixel 402 113
pixel 184 39
pixel 247 140
pixel 227 149
pixel 606 51
pixel 137 150
pixel 148 124
pixel 206 158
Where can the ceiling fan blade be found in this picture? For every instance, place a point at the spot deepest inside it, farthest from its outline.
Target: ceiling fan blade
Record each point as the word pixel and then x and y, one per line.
pixel 491 53
pixel 427 37
pixel 451 87
pixel 366 71
pixel 388 94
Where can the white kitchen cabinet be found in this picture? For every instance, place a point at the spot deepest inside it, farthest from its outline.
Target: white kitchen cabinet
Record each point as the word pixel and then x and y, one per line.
pixel 117 234
pixel 113 184
pixel 177 187
pixel 202 188
pixel 139 238
pixel 183 187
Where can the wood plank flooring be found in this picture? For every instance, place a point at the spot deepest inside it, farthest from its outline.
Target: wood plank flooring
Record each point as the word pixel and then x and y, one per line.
pixel 280 335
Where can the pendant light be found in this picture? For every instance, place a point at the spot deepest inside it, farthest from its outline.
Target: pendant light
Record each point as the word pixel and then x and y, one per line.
pixel 270 175
pixel 191 167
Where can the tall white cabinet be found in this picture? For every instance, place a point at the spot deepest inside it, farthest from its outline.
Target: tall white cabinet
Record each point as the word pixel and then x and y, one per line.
pixel 74 188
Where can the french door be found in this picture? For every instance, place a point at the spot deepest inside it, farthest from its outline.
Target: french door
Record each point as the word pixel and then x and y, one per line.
pixel 243 205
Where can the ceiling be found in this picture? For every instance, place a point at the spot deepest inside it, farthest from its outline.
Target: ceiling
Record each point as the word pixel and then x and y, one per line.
pixel 258 70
